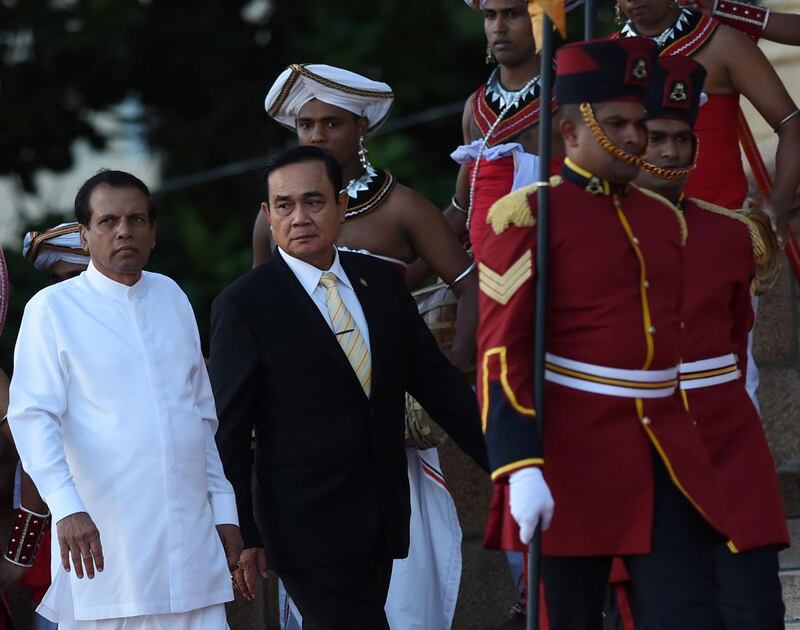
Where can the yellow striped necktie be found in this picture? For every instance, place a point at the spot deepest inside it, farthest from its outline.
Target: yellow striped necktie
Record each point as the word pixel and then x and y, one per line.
pixel 347 333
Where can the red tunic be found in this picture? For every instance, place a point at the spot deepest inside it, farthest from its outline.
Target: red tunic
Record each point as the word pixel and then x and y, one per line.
pixel 719 176
pixel 718 271
pixel 615 287
pixel 496 177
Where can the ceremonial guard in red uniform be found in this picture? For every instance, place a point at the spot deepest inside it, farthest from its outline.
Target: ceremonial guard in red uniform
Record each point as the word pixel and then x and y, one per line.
pixel 624 462
pixel 726 256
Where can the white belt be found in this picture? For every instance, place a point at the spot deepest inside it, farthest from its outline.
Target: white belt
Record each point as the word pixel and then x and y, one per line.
pixel 708 372
pixel 600 379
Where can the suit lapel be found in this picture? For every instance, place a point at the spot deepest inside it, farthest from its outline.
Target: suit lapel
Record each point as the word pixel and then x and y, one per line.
pixel 302 308
pixel 372 312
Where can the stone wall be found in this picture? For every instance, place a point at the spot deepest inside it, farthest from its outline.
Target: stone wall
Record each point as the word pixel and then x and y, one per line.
pixel 776 347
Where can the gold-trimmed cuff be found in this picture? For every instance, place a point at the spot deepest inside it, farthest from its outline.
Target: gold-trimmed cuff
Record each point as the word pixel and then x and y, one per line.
pixel 515 466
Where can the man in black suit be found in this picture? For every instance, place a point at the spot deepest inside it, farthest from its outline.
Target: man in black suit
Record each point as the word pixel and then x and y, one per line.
pixel 316 349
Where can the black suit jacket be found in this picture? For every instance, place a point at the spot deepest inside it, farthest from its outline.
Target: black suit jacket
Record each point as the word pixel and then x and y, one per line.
pixel 330 465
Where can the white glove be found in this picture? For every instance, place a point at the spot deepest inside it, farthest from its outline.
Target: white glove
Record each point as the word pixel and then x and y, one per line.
pixel 530 500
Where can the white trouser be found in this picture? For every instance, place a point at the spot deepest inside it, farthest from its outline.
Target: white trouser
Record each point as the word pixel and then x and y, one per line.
pixel 751 377
pixel 210 618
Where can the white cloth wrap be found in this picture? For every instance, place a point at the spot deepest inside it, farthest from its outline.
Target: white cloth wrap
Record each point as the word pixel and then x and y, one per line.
pixel 526 165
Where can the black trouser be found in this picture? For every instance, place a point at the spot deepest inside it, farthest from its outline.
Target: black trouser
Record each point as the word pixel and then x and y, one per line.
pixel 344 597
pixel 750 595
pixel 674 585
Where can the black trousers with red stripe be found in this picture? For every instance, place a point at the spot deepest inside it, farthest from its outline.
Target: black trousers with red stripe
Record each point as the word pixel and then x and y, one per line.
pixel 674 586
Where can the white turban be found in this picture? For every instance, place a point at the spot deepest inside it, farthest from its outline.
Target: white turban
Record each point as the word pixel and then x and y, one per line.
pixel 480 5
pixel 62 242
pixel 299 84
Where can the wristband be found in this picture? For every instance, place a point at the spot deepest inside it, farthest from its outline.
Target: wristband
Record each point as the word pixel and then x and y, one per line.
pixel 748 18
pixel 458 206
pixel 26 536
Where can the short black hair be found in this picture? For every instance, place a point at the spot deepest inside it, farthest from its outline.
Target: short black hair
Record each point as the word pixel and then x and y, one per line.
pixel 115 179
pixel 300 155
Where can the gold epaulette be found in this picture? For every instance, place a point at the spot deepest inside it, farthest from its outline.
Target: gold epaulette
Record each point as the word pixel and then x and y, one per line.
pixel 514 208
pixel 762 238
pixel 676 211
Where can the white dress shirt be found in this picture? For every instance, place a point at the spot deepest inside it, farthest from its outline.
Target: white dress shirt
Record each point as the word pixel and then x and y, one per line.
pixel 112 414
pixel 309 275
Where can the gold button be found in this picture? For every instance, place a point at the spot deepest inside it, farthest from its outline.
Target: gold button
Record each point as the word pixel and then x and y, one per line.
pixel 635 241
pixel 646 421
pixel 652 330
pixel 646 284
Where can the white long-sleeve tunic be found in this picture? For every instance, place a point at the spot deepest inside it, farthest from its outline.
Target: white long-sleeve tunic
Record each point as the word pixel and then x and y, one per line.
pixel 112 413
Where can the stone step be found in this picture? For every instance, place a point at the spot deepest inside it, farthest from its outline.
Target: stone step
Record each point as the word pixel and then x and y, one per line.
pixel 791 595
pixel 789 479
pixel 790 558
pixel 790 573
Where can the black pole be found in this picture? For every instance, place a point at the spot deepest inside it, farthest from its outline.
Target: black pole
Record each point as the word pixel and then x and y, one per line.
pixel 590 19
pixel 542 247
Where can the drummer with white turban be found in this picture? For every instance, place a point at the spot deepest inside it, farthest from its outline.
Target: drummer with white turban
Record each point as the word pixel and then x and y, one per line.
pixel 57 250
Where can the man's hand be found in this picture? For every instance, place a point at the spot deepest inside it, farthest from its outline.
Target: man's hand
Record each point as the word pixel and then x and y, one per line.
pixel 78 537
pixel 252 563
pixel 530 500
pixel 232 544
pixel 10 574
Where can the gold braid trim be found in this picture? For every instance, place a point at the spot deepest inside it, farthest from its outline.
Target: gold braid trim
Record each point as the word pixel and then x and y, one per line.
pixel 301 69
pixel 672 174
pixel 668 173
pixel 284 93
pixel 676 211
pixel 515 209
pixel 588 117
pixel 765 245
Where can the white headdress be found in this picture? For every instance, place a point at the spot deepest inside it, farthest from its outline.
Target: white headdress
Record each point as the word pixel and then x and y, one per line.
pixel 63 242
pixel 299 84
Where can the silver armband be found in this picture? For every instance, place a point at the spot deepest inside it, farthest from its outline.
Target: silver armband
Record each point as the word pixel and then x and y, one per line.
pixel 470 268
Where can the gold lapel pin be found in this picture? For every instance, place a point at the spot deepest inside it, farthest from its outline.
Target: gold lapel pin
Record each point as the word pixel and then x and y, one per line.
pixel 363 282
